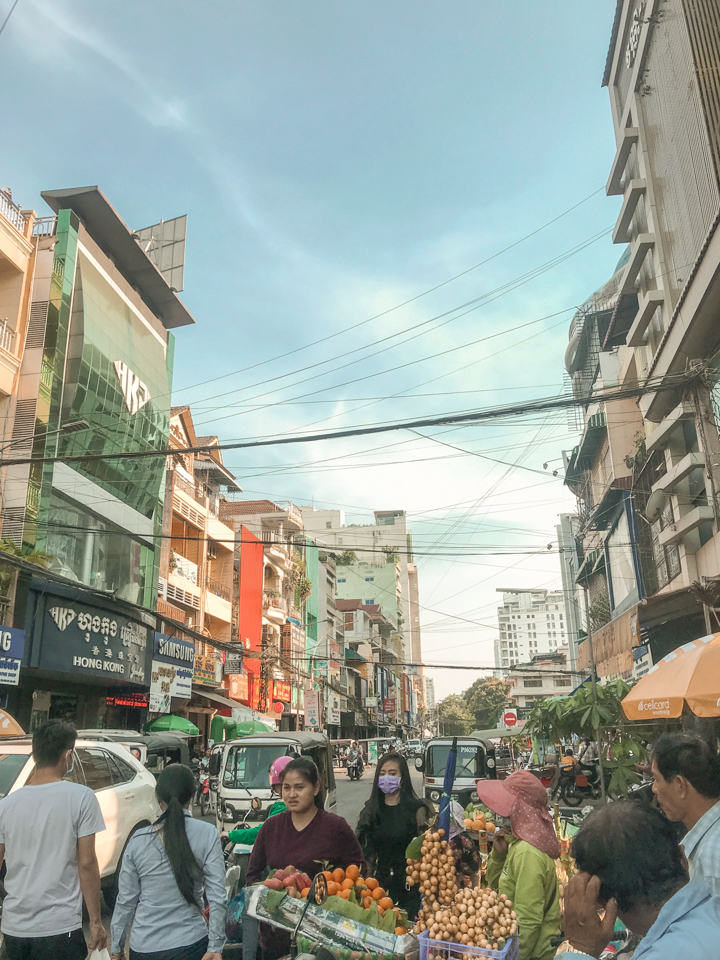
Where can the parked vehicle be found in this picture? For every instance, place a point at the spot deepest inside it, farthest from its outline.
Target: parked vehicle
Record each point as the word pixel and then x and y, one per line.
pixel 582 783
pixel 239 771
pixel 412 748
pixel 475 761
pixel 154 750
pixel 124 788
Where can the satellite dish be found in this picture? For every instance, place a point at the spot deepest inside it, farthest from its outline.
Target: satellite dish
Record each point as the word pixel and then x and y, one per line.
pixel 655 505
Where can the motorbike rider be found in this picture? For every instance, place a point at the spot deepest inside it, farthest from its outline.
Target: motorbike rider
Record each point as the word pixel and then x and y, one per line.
pixel 247 834
pixel 203 772
pixel 354 757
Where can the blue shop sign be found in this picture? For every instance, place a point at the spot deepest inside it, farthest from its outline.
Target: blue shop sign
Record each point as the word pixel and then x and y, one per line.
pixel 12 643
pixel 181 653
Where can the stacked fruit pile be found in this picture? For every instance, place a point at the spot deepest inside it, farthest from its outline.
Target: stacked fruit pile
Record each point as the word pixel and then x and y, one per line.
pixel 349 885
pixel 477 917
pixel 479 823
pixel 435 870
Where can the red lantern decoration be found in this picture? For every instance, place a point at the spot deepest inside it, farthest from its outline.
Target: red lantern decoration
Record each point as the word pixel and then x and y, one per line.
pixel 278 707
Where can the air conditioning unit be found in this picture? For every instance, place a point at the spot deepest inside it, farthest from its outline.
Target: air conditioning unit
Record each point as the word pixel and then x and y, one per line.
pixel 162 589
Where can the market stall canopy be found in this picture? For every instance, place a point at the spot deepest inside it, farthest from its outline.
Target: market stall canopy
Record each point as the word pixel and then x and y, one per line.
pixel 9 727
pixel 689 675
pixel 171 722
pixel 249 727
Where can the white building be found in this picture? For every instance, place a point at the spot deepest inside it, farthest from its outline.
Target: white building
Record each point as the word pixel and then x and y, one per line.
pixel 546 675
pixel 530 622
pixel 371 577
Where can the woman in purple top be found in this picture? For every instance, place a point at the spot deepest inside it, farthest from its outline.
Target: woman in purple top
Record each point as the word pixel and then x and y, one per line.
pixel 305 835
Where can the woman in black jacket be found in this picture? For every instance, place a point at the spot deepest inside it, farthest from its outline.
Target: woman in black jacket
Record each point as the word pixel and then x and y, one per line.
pixel 390 819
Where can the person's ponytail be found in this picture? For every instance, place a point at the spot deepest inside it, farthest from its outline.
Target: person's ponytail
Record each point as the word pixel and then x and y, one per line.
pixel 175 787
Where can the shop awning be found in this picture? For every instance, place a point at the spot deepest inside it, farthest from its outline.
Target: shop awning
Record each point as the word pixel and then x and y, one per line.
pixel 354 655
pixel 217 698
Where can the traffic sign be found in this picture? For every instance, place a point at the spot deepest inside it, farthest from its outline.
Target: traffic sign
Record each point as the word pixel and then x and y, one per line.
pixel 509 718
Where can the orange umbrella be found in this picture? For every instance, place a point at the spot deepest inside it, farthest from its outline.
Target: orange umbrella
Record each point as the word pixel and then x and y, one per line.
pixel 9 727
pixel 689 675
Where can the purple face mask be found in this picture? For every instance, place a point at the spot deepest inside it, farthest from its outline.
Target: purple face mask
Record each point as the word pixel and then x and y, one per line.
pixel 389 784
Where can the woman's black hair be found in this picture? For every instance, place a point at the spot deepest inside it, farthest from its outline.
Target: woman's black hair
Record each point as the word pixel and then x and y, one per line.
pixel 175 787
pixel 407 791
pixel 308 771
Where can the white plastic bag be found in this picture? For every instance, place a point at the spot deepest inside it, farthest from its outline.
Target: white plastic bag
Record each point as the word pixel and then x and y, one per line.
pixel 100 955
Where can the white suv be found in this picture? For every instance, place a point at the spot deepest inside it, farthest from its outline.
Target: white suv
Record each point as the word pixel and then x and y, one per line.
pixel 124 788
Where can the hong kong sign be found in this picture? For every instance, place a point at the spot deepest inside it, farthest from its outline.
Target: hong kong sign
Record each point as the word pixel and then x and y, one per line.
pixel 88 640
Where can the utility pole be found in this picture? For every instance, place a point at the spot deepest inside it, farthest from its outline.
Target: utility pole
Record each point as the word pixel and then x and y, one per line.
pixel 593 681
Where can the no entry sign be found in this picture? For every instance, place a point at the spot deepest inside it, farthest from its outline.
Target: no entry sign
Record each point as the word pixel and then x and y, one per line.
pixel 509 718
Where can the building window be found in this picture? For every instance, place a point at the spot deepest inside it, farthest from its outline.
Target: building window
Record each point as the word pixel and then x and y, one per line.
pixel 532 683
pixel 328 524
pixel 366 602
pixel 563 682
pixel 369 579
pixel 341 580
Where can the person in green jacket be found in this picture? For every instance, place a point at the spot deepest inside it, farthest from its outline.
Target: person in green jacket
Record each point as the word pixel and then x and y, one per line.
pixel 521 864
pixel 248 835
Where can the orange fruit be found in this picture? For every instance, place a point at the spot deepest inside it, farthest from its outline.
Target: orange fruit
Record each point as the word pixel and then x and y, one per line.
pixel 366 902
pixel 338 875
pixel 399 931
pixel 378 893
pixel 386 903
pixel 305 892
pixel 352 872
pixel 345 894
pixel 327 874
pixel 347 884
pixel 371 883
pixel 332 888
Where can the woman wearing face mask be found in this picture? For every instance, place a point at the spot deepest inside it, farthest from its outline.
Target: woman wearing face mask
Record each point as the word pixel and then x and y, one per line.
pixel 521 863
pixel 390 819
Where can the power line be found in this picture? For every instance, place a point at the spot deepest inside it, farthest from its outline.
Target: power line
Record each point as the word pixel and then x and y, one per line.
pixel 490 413
pixel 398 306
pixel 5 21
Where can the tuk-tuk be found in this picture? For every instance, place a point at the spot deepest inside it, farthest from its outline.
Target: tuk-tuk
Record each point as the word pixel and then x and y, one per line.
pixel 154 750
pixel 240 772
pixel 475 761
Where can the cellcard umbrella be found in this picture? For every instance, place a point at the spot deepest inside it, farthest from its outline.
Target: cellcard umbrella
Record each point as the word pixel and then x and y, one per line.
pixel 171 722
pixel 689 675
pixel 446 798
pixel 9 727
pixel 248 727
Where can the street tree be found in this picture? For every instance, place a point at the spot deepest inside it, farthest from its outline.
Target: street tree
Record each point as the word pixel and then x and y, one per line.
pixel 486 699
pixel 455 716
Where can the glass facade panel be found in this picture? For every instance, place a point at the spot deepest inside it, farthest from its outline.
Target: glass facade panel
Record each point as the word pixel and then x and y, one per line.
pixel 95 552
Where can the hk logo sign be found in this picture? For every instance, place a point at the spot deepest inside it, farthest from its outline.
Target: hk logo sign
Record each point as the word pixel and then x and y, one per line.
pixel 134 391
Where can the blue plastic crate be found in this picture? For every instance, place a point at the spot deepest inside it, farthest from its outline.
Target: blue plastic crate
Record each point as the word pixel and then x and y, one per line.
pixel 459 951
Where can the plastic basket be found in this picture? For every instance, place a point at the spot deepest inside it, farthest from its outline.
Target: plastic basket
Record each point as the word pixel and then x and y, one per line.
pixel 458 951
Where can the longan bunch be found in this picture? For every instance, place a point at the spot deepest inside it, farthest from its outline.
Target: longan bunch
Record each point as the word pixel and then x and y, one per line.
pixel 435 871
pixel 478 917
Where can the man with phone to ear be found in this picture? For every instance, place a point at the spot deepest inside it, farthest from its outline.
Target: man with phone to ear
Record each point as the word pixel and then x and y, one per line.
pixel 47 839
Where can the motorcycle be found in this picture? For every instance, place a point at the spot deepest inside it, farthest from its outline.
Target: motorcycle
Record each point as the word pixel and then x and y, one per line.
pixel 204 793
pixel 355 768
pixel 582 783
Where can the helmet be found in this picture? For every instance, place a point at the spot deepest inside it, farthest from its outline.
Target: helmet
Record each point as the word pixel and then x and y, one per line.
pixel 276 769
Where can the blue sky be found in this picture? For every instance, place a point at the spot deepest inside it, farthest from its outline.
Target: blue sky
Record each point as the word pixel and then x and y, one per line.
pixel 336 159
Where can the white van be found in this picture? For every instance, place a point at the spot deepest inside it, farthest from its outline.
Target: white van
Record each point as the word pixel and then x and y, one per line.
pixel 240 771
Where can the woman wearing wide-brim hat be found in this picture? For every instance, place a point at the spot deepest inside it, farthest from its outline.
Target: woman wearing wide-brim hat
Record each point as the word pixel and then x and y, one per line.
pixel 521 864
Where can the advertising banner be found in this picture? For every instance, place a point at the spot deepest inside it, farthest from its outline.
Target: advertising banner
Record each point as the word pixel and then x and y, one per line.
pixel 233 663
pixel 208 671
pixel 12 648
pixel 166 681
pixel 312 710
pixel 239 687
pixel 282 691
pixel 79 638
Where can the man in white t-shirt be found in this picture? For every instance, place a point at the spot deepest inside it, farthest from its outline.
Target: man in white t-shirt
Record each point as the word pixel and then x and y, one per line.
pixel 47 839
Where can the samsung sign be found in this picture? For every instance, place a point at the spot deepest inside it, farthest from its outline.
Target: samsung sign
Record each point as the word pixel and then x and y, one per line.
pixel 171 650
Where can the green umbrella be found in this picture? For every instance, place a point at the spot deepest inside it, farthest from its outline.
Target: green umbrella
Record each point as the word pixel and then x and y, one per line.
pixel 248 727
pixel 171 722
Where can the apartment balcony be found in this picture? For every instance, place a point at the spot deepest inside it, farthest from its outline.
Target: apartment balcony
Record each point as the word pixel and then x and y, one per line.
pixel 184 568
pixel 218 606
pixel 219 589
pixel 190 489
pixel 274 608
pixel 14 214
pixel 687 528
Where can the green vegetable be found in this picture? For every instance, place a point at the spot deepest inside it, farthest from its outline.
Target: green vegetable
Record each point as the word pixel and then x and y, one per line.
pixel 414 848
pixel 274 899
pixel 353 898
